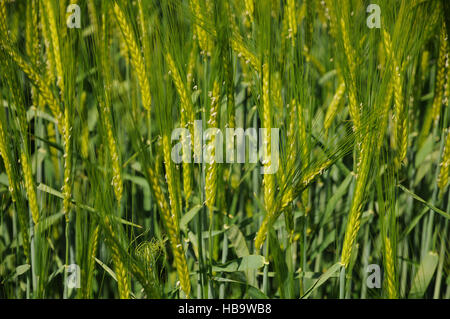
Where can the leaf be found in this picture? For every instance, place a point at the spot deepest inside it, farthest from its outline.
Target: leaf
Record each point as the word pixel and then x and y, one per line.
pixel 106 268
pixel 184 221
pixel 430 206
pixel 4 179
pixel 424 275
pixel 330 238
pixel 214 233
pixel 193 240
pixel 327 77
pixel 322 279
pixel 45 223
pixel 237 240
pixel 339 193
pixel 56 273
pixel 285 282
pixel 251 290
pixel 143 183
pixel 54 192
pixel 241 264
pixel 424 151
pixel 413 223
pixel 312 275
pixel 34 112
pixel 20 270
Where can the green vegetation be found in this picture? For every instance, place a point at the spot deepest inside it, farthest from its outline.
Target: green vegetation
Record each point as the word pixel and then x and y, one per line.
pixel 86 171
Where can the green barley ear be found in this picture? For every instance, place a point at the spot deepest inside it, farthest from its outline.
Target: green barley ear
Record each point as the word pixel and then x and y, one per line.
pixel 92 251
pixel 268 179
pixel 350 53
pixel 290 161
pixel 445 163
pixel 53 28
pixel 3 15
pixel 29 185
pixel 104 106
pixel 137 60
pixel 84 138
pixel 67 141
pixel 171 179
pixel 363 172
pixel 51 135
pixel 29 69
pixel 49 54
pixel 204 40
pixel 172 226
pixel 305 154
pixel 92 11
pixel 333 107
pixel 187 121
pixel 297 183
pixel 249 9
pixel 211 170
pixel 117 181
pixel 121 272
pixel 4 153
pixel 148 253
pixel 424 62
pixel 292 21
pixel 390 269
pixel 237 44
pixel 441 66
pixel 14 187
pixel 32 36
pixel 400 116
pixel 37 80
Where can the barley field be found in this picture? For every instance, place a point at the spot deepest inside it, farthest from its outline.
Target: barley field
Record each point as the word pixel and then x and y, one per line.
pixel 224 149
